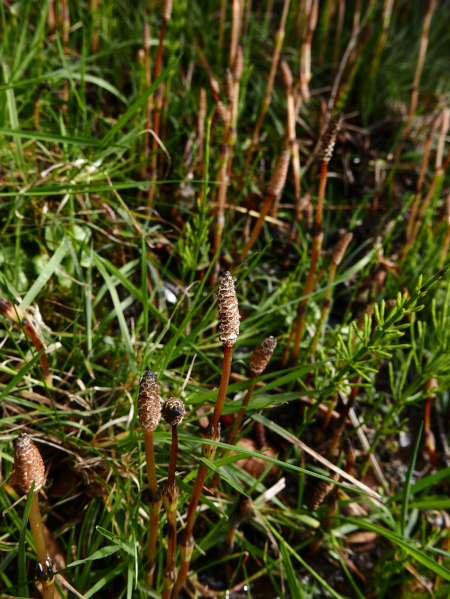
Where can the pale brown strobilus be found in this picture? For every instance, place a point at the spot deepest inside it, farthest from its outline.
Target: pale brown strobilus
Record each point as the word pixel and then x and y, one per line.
pixel 29 467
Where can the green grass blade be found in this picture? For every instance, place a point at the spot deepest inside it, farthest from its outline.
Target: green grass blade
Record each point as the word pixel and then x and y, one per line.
pixel 45 275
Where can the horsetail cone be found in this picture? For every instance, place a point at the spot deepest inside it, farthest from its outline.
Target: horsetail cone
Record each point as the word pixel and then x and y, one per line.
pixel 321 491
pixel 28 464
pixel 278 178
pixel 329 139
pixel 149 402
pixel 228 311
pixel 286 74
pixel 221 111
pixel 229 89
pixel 146 35
pixel 261 356
pixel 166 9
pixel 340 248
pixel 173 411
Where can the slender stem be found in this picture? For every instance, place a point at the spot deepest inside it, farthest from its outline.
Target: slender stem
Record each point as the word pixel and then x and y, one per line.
pixel 417 75
pixel 315 250
pixel 187 539
pixel 226 369
pixel 170 504
pixel 173 457
pixel 258 226
pixel 235 429
pixel 155 505
pixel 325 307
pixel 37 530
pixel 279 38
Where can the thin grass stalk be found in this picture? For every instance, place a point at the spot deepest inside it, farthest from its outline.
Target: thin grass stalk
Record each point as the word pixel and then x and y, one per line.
pixel 305 60
pixel 355 26
pixel 340 424
pixel 446 244
pixel 95 8
pixel 430 441
pixel 274 188
pixel 29 469
pixel 279 39
pixel 328 143
pixel 222 179
pixel 382 40
pixel 223 12
pixel 420 179
pixel 325 30
pixel 417 75
pixel 339 27
pixel 173 413
pixel 148 110
pixel 235 29
pixel 237 74
pixel 201 130
pixel 22 319
pixel 51 16
pixel 438 175
pixel 166 11
pixel 286 76
pixel 336 259
pixel 229 331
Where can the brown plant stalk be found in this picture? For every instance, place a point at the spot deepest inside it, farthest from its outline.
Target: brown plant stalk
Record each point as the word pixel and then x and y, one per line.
pixel 173 413
pixel 286 76
pixel 29 468
pixel 420 179
pixel 237 69
pixel 21 318
pixel 149 414
pixel 166 11
pixel 305 59
pixel 328 143
pixel 229 331
pixel 417 75
pixel 446 244
pixel 430 441
pixel 279 38
pixel 336 259
pixel 274 188
pixel 388 5
pixel 339 27
pixel 148 109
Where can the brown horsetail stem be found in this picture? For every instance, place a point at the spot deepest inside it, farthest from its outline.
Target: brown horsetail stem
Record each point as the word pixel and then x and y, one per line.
pixel 326 152
pixel 430 442
pixel 21 318
pixel 274 188
pixel 148 81
pixel 279 39
pixel 417 75
pixel 173 413
pixel 258 363
pixel 149 409
pixel 238 67
pixel 166 12
pixel 30 468
pixel 305 61
pixel 336 258
pixel 286 77
pixel 229 331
